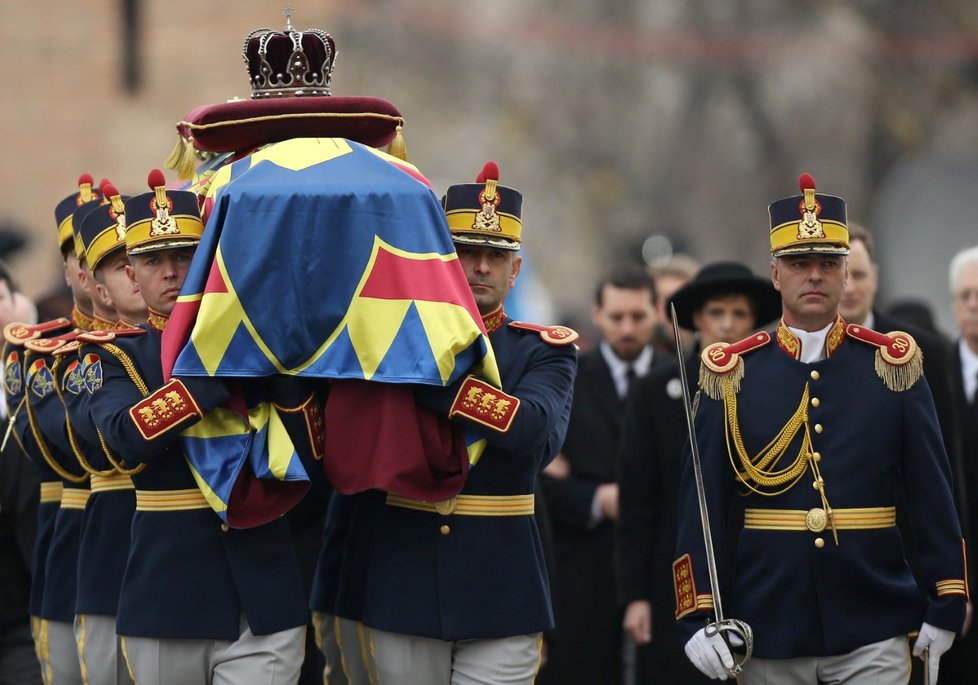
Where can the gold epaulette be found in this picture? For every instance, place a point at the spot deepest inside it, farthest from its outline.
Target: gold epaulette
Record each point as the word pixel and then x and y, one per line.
pixel 19 333
pixel 552 335
pixel 721 364
pixel 899 360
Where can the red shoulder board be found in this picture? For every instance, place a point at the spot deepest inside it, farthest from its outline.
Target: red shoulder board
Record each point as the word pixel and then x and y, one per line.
pixel 723 357
pixel 67 348
pixel 896 347
pixel 46 345
pixel 101 337
pixel 552 335
pixel 20 333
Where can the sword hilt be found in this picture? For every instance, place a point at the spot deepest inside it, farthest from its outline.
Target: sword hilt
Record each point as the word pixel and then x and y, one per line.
pixel 732 626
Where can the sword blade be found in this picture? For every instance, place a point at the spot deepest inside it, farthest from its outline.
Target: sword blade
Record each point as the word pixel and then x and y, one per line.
pixel 711 563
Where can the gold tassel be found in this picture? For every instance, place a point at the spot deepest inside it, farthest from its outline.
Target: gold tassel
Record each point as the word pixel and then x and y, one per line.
pixel 397 148
pixel 902 377
pixel 182 158
pixel 713 383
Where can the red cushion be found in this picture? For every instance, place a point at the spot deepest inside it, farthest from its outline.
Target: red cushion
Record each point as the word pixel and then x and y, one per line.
pixel 247 124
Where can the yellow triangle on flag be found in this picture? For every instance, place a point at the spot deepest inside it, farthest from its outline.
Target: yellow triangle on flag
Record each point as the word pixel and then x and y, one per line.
pixel 450 329
pixel 372 325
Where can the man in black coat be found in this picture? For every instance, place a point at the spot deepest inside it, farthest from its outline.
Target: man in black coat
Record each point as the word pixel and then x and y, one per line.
pixel 581 487
pixel 962 659
pixel 858 306
pixel 724 303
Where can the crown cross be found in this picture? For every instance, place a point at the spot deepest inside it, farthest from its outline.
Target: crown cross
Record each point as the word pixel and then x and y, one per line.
pixel 289 12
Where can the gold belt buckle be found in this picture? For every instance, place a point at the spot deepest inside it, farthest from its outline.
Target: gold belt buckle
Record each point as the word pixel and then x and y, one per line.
pixel 816 520
pixel 447 506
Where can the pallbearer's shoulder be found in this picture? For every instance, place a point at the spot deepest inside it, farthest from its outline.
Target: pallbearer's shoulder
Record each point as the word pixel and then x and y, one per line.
pixel 899 360
pixel 557 336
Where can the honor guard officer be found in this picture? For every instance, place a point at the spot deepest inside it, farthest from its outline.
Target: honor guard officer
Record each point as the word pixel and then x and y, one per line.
pixel 46 417
pixel 807 435
pixel 456 591
pixel 82 312
pixel 104 544
pixel 199 601
pixel 105 250
pixel 19 429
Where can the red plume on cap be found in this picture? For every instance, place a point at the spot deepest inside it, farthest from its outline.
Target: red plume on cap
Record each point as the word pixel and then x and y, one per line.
pixel 490 172
pixel 156 179
pixel 102 185
pixel 108 189
pixel 806 181
pixel 85 178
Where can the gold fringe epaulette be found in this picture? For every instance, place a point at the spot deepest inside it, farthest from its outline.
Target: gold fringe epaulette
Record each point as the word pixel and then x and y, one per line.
pixel 552 335
pixel 721 364
pixel 899 360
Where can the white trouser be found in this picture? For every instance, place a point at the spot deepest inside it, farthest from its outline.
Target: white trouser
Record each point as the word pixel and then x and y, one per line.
pixel 59 653
pixel 274 659
pixel 98 651
pixel 880 663
pixel 407 660
pixel 343 643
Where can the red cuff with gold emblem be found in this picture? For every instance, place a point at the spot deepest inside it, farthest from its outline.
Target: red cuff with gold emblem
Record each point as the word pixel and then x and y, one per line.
pixel 485 404
pixel 682 576
pixel 315 423
pixel 165 409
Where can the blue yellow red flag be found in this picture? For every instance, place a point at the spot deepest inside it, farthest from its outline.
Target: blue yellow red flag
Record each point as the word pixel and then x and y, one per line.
pixel 328 259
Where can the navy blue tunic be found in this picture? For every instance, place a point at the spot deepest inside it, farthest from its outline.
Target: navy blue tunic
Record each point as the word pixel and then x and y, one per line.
pixel 799 598
pixel 486 577
pixel 189 577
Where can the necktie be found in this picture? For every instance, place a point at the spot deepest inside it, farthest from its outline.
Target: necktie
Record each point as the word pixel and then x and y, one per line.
pixel 630 377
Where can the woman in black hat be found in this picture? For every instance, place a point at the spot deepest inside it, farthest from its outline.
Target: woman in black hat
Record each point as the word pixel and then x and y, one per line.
pixel 725 302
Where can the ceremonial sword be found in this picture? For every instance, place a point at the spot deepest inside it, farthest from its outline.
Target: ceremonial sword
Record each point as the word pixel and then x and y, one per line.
pixel 720 625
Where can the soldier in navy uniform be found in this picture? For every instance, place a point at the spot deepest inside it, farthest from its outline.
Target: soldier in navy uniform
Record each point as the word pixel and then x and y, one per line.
pixel 199 601
pixel 107 517
pixel 82 311
pixel 45 412
pixel 456 591
pixel 20 430
pixel 806 437
pixel 723 303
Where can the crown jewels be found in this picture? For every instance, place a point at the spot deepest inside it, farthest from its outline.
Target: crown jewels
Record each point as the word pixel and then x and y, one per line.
pixel 289 63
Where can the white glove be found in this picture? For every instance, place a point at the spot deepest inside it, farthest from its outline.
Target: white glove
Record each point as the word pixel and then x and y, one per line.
pixel 710 654
pixel 935 641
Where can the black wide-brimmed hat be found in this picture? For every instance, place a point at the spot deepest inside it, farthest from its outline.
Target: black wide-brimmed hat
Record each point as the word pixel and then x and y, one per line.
pixel 726 278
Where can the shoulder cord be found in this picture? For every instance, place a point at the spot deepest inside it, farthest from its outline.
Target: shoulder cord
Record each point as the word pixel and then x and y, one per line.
pixel 85 464
pixel 756 468
pixel 42 445
pixel 140 384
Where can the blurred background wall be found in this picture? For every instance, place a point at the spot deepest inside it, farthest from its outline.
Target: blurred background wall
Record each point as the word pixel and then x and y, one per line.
pixel 668 124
